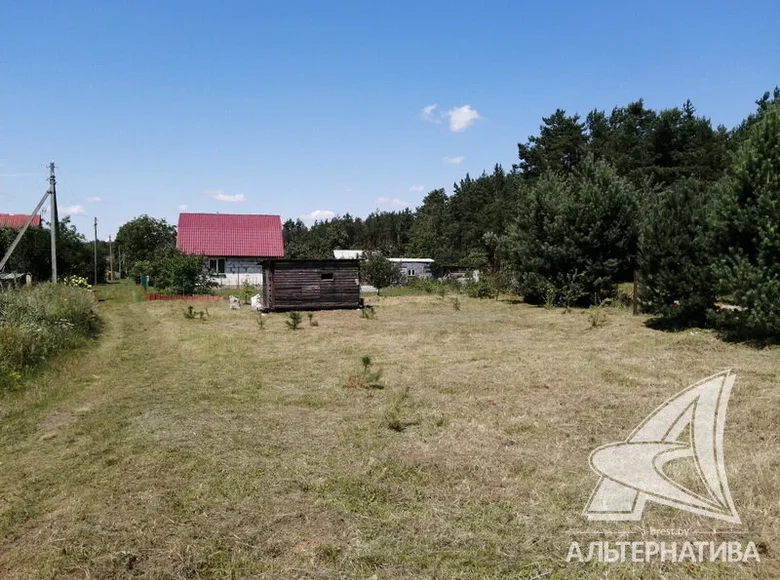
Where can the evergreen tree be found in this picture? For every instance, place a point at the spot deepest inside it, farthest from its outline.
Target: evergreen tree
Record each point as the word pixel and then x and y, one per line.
pixel 559 147
pixel 749 229
pixel 676 255
pixel 575 236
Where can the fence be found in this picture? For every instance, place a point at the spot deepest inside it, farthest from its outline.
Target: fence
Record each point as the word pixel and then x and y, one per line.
pixel 198 298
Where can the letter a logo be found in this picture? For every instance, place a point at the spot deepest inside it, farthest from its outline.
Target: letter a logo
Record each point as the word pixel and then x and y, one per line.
pixel 632 471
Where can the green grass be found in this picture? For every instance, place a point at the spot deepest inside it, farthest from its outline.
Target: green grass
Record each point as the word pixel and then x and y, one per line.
pixel 218 450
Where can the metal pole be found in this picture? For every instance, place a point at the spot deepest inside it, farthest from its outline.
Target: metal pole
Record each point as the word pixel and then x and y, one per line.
pixel 95 279
pixel 635 294
pixel 55 222
pixel 111 257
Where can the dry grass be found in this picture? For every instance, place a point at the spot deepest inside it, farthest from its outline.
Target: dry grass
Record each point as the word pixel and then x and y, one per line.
pixel 219 450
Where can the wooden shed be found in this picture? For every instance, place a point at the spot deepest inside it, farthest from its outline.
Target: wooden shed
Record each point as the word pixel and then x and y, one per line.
pixel 311 284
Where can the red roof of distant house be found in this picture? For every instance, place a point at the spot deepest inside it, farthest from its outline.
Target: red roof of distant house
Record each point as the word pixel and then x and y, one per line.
pixel 230 235
pixel 16 220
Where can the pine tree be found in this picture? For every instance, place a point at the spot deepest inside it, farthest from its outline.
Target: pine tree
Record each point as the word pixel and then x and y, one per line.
pixel 675 256
pixel 749 230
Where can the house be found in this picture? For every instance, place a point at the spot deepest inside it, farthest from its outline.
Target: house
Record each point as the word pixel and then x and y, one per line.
pixel 414 267
pixel 311 284
pixel 348 254
pixel 16 220
pixel 235 245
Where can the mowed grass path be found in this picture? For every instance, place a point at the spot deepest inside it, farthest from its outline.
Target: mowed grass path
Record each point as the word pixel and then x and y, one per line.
pixel 173 448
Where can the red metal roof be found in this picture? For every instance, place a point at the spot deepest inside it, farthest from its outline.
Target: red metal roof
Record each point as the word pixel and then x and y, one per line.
pixel 16 220
pixel 230 235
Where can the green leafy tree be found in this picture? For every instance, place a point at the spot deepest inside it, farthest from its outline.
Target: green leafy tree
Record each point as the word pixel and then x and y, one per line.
pixel 380 272
pixel 177 273
pixel 748 218
pixel 676 255
pixel 142 237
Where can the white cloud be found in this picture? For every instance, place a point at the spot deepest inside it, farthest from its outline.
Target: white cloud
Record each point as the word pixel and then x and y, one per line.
pixel 94 199
pixel 429 114
pixel 416 188
pixel 183 207
pixel 393 202
pixel 454 160
pixel 461 118
pixel 347 189
pixel 319 214
pixel 220 195
pixel 72 210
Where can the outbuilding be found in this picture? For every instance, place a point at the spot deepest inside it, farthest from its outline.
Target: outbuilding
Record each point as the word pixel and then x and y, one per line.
pixel 311 284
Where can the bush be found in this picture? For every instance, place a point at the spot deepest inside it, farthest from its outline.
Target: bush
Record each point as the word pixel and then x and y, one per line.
pixel 481 289
pixel 76 282
pixel 38 322
pixel 174 272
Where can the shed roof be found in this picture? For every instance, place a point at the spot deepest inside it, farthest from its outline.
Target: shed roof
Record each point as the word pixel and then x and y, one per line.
pixel 420 260
pixel 230 235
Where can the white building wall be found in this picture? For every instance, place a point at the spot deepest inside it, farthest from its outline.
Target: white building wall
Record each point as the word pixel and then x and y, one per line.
pixel 238 270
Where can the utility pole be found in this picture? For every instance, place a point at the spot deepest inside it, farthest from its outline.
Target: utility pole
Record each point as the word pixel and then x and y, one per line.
pixel 111 257
pixel 54 221
pixel 95 279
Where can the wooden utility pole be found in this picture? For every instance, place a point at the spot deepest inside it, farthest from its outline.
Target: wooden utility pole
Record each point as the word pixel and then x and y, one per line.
pixel 635 294
pixel 54 221
pixel 95 279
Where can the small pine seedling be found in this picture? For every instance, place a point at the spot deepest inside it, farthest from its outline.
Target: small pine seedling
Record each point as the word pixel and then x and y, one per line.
pixel 294 321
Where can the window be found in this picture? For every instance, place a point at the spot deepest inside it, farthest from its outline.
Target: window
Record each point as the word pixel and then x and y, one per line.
pixel 217 265
pixel 327 276
pixel 410 272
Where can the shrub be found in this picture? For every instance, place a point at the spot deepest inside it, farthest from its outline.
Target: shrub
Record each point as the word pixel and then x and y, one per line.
pixel 481 289
pixel 312 321
pixel 368 312
pixel 76 282
pixel 247 291
pixel 38 322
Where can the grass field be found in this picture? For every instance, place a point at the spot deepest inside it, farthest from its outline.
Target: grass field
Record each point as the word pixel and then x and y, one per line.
pixel 175 448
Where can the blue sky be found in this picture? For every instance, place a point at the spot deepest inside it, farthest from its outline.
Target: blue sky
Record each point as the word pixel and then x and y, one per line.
pixel 296 107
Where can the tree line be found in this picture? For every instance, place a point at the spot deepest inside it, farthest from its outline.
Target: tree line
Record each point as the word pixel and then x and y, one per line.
pixel 691 206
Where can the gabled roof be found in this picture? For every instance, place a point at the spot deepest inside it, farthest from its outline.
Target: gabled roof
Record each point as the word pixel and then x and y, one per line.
pixel 16 220
pixel 230 235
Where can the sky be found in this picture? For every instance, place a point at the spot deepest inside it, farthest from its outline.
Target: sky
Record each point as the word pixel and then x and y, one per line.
pixel 309 109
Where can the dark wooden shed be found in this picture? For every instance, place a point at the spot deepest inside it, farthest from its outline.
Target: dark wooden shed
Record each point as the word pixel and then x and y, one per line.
pixel 311 284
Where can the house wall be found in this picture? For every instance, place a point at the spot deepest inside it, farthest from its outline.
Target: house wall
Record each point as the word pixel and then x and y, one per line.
pixel 238 270
pixel 421 269
pixel 312 284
